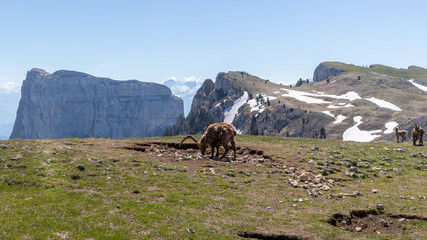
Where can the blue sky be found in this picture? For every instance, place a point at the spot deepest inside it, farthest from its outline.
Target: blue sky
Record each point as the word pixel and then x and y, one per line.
pixel 154 40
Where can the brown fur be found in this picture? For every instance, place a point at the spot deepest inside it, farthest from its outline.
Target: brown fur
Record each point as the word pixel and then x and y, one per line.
pixel 401 133
pixel 217 134
pixel 417 134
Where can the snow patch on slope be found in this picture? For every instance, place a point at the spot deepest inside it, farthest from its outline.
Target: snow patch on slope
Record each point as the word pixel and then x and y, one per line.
pixel 357 135
pixel 419 86
pixel 338 119
pixel 390 127
pixel 384 104
pixel 230 113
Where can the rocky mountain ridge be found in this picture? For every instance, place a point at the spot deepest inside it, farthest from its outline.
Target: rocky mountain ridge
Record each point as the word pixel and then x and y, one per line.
pixel 344 102
pixel 69 104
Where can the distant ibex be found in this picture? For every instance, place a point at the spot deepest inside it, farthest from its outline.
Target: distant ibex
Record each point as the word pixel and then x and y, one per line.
pixel 417 134
pixel 216 134
pixel 401 133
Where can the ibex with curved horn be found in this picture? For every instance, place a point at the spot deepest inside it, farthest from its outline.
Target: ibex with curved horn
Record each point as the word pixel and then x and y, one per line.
pixel 216 134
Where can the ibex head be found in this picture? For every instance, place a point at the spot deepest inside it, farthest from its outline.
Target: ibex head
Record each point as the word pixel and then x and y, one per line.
pixel 201 146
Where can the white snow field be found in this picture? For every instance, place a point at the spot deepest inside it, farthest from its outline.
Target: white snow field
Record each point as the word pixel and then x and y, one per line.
pixel 342 105
pixel 357 135
pixel 384 104
pixel 350 96
pixel 328 113
pixel 230 113
pixel 424 88
pixel 338 119
pixel 390 127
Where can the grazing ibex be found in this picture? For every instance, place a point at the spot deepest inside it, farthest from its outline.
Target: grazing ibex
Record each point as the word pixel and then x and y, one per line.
pixel 417 134
pixel 216 134
pixel 401 133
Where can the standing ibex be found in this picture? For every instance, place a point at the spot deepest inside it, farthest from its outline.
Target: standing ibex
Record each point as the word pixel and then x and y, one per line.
pixel 215 135
pixel 417 134
pixel 401 133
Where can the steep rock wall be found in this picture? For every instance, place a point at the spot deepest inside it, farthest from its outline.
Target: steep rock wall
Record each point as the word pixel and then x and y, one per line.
pixel 322 72
pixel 68 104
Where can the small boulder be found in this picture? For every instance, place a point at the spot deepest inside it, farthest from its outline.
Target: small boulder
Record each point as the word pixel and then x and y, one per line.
pixel 81 167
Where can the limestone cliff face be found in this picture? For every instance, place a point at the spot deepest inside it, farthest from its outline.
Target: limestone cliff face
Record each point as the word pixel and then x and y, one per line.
pixel 68 104
pixel 322 72
pixel 202 95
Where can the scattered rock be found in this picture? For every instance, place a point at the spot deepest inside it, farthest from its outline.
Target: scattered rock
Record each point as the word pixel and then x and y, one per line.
pixel 380 207
pixel 374 190
pixel 312 162
pixel 20 166
pixel 294 183
pixel 191 231
pixel 358 229
pixel 81 167
pixel 304 177
pixel 75 177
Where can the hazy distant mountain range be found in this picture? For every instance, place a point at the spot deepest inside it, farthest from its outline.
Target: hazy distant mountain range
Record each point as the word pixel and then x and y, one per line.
pixel 184 89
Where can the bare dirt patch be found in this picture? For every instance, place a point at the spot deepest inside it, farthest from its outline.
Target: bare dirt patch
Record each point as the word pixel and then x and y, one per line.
pixel 171 151
pixel 264 236
pixel 373 221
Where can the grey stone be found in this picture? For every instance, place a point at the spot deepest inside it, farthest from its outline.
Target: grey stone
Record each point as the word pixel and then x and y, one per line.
pixel 380 207
pixel 322 72
pixel 20 166
pixel 81 167
pixel 68 104
pixel 312 162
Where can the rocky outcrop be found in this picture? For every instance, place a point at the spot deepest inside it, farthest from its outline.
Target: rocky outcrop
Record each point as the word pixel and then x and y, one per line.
pixel 213 99
pixel 208 105
pixel 68 104
pixel 202 95
pixel 323 72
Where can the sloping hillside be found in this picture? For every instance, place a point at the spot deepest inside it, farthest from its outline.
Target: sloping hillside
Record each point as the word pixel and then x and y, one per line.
pixel 358 104
pixel 276 188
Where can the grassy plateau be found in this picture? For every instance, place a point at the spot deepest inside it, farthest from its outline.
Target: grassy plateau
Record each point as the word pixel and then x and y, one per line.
pixel 150 189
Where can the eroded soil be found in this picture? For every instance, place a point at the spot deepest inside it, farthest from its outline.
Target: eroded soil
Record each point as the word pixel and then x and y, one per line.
pixel 373 221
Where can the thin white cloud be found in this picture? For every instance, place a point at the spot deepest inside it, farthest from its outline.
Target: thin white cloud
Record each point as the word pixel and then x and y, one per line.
pixel 10 87
pixel 191 79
